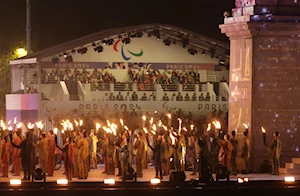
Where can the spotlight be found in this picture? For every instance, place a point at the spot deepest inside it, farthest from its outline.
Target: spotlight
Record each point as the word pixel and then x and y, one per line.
pixel 39 175
pixel 55 60
pixel 167 42
pixel 110 42
pixel 99 49
pixel 203 52
pixel 65 54
pixel 104 42
pixel 192 51
pixel 15 182
pixel 185 42
pixel 221 62
pixel 126 40
pixel 289 179
pixel 139 34
pixel 149 35
pixel 155 181
pixel 62 182
pixel 82 50
pixel 242 180
pixel 158 37
pixel 69 59
pixel 109 181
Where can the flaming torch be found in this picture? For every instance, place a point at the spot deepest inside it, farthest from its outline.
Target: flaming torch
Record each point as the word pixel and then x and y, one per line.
pixel 169 119
pixel 264 135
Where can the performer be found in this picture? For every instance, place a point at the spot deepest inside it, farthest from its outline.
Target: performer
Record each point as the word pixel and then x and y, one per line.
pixel 16 152
pixel 225 151
pixel 51 153
pixel 76 163
pixel 42 147
pixel 83 151
pixel 234 143
pixel 139 147
pixel 246 151
pixel 68 154
pixel 5 155
pixel 275 147
pixel 157 150
pixel 94 160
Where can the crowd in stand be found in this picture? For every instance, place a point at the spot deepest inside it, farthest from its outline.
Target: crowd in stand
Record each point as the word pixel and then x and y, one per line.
pixel 144 78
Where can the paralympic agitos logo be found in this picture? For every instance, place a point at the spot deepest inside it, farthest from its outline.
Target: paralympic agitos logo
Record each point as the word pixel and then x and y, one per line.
pixel 128 52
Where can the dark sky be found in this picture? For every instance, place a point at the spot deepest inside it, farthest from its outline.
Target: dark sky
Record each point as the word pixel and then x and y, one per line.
pixel 57 21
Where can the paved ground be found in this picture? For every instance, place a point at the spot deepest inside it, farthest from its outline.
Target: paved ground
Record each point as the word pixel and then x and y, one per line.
pixel 96 175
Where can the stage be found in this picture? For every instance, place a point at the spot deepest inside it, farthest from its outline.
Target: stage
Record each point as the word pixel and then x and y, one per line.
pixel 96 175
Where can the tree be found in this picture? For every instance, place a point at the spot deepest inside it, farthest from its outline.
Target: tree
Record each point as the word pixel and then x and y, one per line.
pixel 7 53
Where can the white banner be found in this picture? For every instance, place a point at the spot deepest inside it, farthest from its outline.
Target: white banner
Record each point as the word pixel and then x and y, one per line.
pixel 63 107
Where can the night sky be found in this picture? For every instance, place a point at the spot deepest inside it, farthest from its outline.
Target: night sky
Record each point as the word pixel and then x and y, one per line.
pixel 58 21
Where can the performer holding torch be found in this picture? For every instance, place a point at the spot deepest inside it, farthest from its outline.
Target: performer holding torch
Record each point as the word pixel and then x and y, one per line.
pixel 275 148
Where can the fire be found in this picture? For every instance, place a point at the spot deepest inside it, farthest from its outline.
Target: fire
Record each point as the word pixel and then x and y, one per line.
pixel 217 124
pixel 169 116
pixel 208 127
pixel 98 126
pixel 245 125
pixel 145 130
pixel 15 120
pixel 39 125
pixel 19 125
pixel 164 127
pixel 121 121
pixel 76 123
pixel 159 123
pixel 80 122
pixel 263 130
pixel 55 131
pixel 144 117
pixel 2 124
pixel 151 120
pixel 30 126
pixel 192 127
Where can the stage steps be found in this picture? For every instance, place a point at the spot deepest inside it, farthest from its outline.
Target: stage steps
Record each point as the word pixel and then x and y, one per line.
pixel 291 168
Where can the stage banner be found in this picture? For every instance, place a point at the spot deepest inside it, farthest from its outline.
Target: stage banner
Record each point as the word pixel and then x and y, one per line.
pixel 122 65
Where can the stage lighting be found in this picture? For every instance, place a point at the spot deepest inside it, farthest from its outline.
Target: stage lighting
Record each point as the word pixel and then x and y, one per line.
pixel 139 34
pixel 110 42
pixel 55 60
pixel 65 54
pixel 242 180
pixel 15 182
pixel 203 52
pixel 221 62
pixel 289 179
pixel 126 40
pixel 167 42
pixel 109 181
pixel 62 182
pixel 38 174
pixel 82 50
pixel 155 181
pixel 192 51
pixel 98 49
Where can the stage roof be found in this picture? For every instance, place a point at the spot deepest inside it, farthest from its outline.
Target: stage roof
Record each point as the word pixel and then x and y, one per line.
pixel 197 41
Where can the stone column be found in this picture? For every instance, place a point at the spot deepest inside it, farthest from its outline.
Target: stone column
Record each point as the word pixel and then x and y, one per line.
pixel 264 74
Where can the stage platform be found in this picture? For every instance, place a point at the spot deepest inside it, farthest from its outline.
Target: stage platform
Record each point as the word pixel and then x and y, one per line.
pixel 96 175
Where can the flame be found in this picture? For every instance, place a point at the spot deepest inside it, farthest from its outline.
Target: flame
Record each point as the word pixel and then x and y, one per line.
pixel 76 123
pixel 55 131
pixel 30 126
pixel 184 129
pixel 159 123
pixel 263 130
pixel 208 127
pixel 154 127
pixel 98 126
pixel 80 122
pixel 151 120
pixel 39 124
pixel 10 128
pixel 15 120
pixel 245 125
pixel 9 122
pixel 108 123
pixel 19 125
pixel 125 127
pixel 121 121
pixel 179 121
pixel 192 127
pixel 169 116
pixel 146 131
pixel 164 127
pixel 144 117
pixel 217 124
pixel 2 124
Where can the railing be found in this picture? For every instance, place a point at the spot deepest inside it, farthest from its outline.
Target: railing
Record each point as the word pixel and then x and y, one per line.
pixel 211 78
